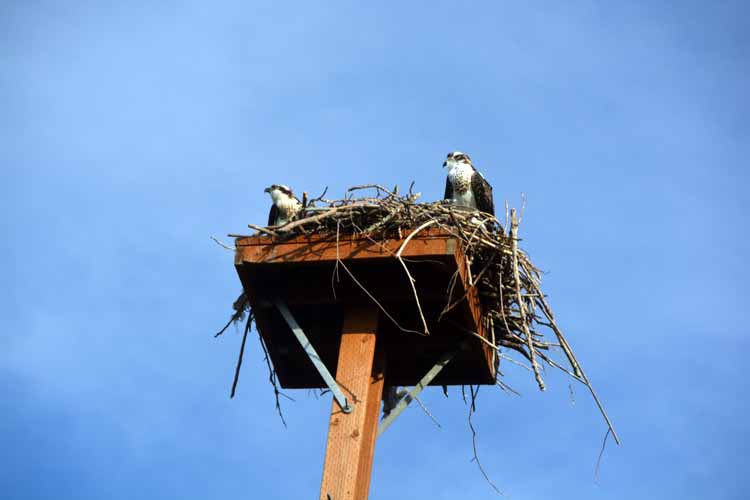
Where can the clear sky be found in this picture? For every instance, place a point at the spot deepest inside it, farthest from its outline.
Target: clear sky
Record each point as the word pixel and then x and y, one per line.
pixel 130 133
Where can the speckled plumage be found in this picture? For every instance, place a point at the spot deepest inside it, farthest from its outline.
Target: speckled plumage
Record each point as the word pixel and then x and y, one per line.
pixel 465 186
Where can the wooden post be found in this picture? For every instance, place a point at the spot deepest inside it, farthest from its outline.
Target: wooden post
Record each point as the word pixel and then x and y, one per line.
pixel 372 414
pixel 351 437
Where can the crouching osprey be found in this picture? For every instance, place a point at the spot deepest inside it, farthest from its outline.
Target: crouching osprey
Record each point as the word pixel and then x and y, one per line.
pixel 285 205
pixel 465 186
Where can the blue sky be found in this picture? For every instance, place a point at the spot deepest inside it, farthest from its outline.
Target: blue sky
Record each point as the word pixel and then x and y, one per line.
pixel 131 132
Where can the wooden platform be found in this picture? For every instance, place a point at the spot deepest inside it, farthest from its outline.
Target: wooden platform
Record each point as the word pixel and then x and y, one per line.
pixel 303 272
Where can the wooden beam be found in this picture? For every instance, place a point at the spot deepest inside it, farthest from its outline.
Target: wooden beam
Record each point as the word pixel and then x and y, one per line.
pixel 351 437
pixel 475 311
pixel 259 250
pixel 375 395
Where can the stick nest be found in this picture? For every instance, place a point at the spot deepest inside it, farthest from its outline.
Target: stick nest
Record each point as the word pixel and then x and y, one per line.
pixel 508 283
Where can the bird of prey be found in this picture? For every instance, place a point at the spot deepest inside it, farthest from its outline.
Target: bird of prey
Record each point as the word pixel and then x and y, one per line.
pixel 285 205
pixel 465 186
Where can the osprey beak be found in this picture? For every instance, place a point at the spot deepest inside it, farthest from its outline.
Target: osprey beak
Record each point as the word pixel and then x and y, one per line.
pixel 445 163
pixel 267 190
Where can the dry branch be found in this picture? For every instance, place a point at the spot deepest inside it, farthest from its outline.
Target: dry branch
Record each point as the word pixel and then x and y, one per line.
pixel 519 298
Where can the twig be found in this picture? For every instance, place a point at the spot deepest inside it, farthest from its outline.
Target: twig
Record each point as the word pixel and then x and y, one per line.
pixel 473 333
pixel 224 328
pixel 601 453
pixel 319 198
pixel 554 364
pixel 272 379
pixel 522 309
pixel 240 305
pixel 315 218
pixel 222 244
pixel 377 303
pixel 601 407
pixel 505 387
pixel 406 269
pixel 472 409
pixel 507 214
pixel 427 412
pixel 239 358
pixel 578 370
pixel 335 273
pixel 263 230
pixel 373 186
pixel 511 360
pixel 473 285
pixel 382 222
pixel 502 302
pixel 560 337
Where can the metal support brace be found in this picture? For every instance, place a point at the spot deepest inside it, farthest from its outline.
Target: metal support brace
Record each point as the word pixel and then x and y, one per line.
pixel 408 398
pixel 313 355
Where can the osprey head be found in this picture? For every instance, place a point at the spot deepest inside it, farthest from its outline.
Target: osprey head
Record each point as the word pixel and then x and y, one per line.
pixel 278 190
pixel 455 158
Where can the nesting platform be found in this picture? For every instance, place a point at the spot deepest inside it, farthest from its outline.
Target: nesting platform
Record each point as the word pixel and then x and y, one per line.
pixel 302 271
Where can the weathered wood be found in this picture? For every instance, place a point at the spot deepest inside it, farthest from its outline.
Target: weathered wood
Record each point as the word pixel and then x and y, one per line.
pixel 351 437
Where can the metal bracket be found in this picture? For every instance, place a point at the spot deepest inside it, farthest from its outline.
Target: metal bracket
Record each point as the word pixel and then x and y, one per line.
pixel 313 355
pixel 408 398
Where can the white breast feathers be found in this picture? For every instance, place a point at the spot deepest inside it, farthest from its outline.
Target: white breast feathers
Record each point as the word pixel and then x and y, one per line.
pixel 459 176
pixel 288 206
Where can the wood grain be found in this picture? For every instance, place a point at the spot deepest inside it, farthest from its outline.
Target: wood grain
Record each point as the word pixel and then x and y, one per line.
pixel 372 414
pixel 350 446
pixel 263 250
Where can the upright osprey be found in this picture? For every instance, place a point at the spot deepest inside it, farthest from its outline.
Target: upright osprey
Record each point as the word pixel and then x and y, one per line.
pixel 465 186
pixel 285 205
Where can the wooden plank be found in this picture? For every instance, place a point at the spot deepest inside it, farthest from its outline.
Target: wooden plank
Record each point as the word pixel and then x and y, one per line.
pixel 350 444
pixel 262 240
pixel 323 249
pixel 475 310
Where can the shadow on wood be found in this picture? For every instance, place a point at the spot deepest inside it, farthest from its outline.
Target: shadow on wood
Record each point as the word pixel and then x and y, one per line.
pixel 302 272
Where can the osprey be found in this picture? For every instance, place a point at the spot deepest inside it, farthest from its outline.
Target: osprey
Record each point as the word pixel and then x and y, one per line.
pixel 465 186
pixel 285 205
